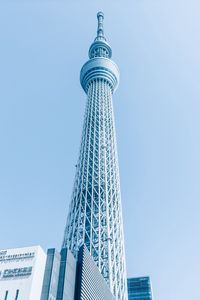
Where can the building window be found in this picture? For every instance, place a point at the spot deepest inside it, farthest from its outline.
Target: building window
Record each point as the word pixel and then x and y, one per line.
pixel 17 294
pixel 6 296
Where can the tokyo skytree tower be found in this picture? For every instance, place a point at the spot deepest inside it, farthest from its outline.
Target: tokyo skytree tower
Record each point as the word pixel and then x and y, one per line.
pixel 95 215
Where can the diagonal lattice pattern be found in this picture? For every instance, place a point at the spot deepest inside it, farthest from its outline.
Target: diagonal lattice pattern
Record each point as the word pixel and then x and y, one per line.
pixel 95 214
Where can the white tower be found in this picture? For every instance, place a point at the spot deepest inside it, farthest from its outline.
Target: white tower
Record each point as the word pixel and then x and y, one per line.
pixel 95 215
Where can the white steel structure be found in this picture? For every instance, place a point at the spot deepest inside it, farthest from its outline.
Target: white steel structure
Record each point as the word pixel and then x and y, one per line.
pixel 95 215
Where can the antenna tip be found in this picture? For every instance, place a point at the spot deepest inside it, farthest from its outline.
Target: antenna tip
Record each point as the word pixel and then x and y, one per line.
pixel 100 14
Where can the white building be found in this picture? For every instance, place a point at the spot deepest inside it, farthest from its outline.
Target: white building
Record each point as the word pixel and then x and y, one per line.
pixel 21 273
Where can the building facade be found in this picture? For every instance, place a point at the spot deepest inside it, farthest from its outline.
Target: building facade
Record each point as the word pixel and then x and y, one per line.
pixel 95 215
pixel 60 276
pixel 90 284
pixel 51 275
pixel 66 278
pixel 21 273
pixel 140 288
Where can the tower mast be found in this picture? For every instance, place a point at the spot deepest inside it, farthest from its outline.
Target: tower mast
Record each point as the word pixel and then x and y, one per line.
pixel 95 215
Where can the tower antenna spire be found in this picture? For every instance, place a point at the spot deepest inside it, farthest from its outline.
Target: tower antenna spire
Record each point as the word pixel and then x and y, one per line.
pixel 100 30
pixel 95 217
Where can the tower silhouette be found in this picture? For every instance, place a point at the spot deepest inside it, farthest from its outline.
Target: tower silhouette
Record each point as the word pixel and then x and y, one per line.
pixel 95 214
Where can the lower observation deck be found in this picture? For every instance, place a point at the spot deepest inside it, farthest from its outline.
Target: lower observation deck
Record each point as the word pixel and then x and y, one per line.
pixel 99 68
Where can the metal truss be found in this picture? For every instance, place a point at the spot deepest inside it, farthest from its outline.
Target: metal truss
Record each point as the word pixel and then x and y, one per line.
pixel 95 214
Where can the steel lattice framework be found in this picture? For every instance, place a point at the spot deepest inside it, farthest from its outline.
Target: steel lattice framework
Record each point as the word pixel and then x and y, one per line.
pixel 95 215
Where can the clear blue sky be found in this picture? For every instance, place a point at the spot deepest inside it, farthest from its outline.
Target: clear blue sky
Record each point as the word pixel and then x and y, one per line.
pixel 156 44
